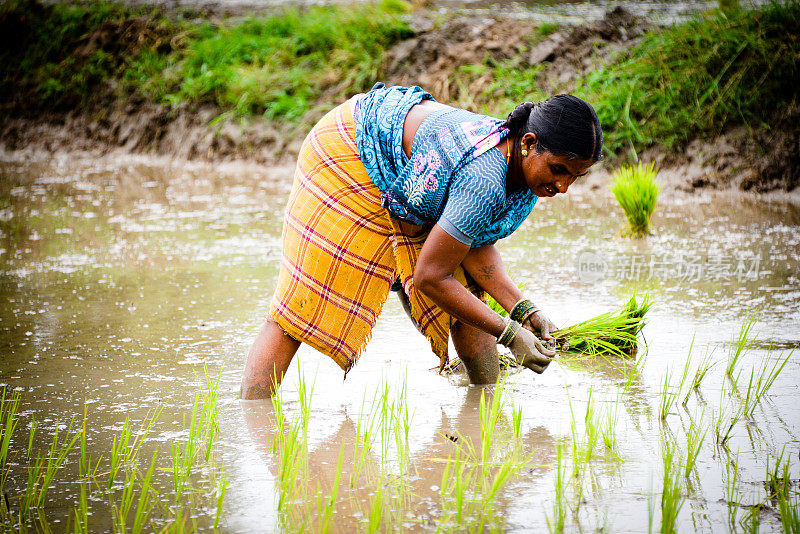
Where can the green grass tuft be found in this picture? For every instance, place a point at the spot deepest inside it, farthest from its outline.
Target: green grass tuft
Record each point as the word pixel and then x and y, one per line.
pixel 636 191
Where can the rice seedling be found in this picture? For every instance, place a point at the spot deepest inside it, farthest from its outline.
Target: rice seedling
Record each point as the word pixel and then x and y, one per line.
pixel 740 344
pixel 758 386
pixel 516 418
pixel 609 334
pixel 304 393
pixel 119 449
pixel 122 511
pixel 291 445
pixel 732 489
pixel 85 468
pixel 778 480
pixel 292 461
pixel 577 446
pixel 376 511
pixel 489 414
pixel 56 458
pixel 636 190
pixel 685 375
pixel 635 372
pixel 326 506
pixel 211 423
pixel 385 421
pixel 608 430
pixel 752 521
pixel 612 333
pixel 789 510
pixel 43 468
pixel 202 430
pixel 668 396
pixel 401 426
pixel 671 497
pixel 145 504
pixel 456 478
pixel 9 405
pixel 28 499
pixel 363 445
pixel 489 492
pixel 222 488
pixel 473 478
pixel 694 441
pixel 699 374
pixel 592 429
pixel 81 512
pixel 556 522
pixel 724 421
pixel 183 457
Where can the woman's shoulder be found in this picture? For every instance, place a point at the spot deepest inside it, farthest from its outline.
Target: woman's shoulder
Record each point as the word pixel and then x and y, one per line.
pixel 486 172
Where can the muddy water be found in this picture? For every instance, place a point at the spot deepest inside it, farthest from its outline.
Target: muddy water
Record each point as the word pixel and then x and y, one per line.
pixel 122 278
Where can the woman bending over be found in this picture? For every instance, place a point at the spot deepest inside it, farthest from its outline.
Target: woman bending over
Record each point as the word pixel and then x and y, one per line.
pixel 396 192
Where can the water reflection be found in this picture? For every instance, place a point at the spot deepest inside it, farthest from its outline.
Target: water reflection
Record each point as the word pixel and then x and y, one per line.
pixel 358 484
pixel 121 278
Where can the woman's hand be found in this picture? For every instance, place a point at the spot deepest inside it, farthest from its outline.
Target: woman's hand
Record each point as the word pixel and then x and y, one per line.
pixel 530 352
pixel 539 322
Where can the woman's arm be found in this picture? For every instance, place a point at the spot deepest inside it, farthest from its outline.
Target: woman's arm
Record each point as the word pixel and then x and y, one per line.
pixel 485 266
pixel 433 275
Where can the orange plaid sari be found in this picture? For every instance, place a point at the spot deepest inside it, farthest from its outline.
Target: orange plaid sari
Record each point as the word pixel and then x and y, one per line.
pixel 342 252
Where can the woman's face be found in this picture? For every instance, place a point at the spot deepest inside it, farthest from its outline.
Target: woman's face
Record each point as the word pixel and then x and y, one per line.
pixel 548 174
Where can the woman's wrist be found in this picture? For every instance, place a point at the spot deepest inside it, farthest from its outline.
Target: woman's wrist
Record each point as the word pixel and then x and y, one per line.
pixel 509 333
pixel 523 310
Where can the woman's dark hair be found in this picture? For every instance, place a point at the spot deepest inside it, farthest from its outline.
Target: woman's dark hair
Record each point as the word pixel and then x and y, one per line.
pixel 563 124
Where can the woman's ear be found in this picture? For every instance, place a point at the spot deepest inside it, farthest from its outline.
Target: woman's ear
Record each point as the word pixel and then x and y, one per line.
pixel 528 141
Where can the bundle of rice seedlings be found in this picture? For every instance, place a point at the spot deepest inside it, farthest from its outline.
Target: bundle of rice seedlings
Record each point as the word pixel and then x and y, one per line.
pixel 612 333
pixel 636 191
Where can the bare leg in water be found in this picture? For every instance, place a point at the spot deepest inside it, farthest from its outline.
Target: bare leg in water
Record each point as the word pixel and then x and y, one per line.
pixel 478 351
pixel 269 358
pixel 273 350
pixel 476 348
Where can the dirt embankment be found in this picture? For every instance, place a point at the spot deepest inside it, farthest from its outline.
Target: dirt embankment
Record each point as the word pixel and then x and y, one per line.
pixel 761 159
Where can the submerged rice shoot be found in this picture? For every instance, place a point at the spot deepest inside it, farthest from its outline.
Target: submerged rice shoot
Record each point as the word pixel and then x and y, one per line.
pixel 636 191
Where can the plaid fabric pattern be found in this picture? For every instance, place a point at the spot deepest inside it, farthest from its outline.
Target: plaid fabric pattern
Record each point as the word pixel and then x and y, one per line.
pixel 342 251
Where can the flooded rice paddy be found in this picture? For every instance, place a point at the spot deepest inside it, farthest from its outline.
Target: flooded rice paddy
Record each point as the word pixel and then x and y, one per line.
pixel 130 286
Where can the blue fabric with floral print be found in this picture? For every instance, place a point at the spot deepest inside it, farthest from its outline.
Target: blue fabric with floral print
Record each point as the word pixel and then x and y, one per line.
pixel 454 176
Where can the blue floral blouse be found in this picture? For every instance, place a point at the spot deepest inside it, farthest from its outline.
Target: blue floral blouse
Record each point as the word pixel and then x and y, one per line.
pixel 455 177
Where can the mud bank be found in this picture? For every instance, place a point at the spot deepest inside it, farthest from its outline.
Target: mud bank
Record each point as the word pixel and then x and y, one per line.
pixel 763 158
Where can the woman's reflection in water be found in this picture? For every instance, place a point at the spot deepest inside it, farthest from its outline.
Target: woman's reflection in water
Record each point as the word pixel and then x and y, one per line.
pixel 359 487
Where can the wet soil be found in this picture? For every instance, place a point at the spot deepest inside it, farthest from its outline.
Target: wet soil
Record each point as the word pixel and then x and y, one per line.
pixel 752 159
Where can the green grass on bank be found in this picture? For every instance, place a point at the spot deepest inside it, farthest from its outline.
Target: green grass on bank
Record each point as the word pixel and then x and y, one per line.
pixel 45 49
pixel 684 81
pixel 687 80
pixel 276 66
pixel 699 77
